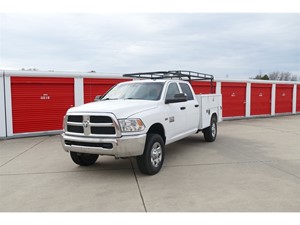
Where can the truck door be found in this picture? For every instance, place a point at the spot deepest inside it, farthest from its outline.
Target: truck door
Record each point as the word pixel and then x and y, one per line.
pixel 192 109
pixel 174 115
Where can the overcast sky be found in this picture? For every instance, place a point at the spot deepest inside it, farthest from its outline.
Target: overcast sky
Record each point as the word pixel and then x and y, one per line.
pixel 225 44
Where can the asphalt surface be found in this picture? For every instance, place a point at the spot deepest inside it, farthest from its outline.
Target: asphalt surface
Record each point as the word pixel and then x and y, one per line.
pixel 253 166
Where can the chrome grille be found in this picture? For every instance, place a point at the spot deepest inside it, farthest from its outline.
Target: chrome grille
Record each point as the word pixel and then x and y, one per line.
pixel 91 125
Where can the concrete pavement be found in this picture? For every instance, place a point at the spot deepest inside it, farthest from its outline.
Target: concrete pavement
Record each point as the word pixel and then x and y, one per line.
pixel 254 165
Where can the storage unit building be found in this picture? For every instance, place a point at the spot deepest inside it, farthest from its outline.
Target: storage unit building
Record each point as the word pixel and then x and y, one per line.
pixel 34 103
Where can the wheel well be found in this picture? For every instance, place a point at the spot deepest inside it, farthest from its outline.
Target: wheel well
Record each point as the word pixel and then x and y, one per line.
pixel 157 128
pixel 214 115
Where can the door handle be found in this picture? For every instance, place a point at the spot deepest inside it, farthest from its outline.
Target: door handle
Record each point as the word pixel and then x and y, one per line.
pixel 196 106
pixel 182 108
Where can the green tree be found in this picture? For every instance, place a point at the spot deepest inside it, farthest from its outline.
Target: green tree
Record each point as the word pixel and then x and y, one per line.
pixel 261 77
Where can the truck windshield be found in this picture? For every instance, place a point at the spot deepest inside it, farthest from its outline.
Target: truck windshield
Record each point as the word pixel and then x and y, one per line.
pixel 141 91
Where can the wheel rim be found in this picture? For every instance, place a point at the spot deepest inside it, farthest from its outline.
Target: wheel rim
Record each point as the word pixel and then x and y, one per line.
pixel 213 129
pixel 156 154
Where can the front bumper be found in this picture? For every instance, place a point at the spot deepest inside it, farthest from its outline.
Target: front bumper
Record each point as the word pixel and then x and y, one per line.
pixel 119 147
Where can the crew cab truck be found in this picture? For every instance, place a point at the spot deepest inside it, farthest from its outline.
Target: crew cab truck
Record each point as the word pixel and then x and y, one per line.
pixel 139 117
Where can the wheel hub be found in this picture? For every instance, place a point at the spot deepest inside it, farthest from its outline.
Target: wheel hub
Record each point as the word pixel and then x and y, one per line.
pixel 156 154
pixel 213 129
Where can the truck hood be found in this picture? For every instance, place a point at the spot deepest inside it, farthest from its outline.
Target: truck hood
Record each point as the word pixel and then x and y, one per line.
pixel 120 108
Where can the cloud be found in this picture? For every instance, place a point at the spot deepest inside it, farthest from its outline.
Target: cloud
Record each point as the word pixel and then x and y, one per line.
pixel 239 45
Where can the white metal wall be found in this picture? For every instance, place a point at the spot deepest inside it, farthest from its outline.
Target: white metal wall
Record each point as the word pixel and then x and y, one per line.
pixel 294 107
pixel 8 106
pixel 78 91
pixel 2 107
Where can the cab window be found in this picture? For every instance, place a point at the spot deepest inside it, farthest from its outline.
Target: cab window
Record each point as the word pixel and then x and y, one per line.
pixel 186 89
pixel 172 90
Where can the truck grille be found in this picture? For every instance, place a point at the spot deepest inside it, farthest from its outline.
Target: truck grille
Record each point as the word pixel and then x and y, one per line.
pixel 91 125
pixel 75 129
pixel 75 118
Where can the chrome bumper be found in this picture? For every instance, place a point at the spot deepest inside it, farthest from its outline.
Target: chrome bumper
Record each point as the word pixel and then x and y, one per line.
pixel 120 147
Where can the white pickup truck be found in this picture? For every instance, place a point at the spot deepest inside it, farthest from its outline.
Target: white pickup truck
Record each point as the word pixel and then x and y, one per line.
pixel 139 117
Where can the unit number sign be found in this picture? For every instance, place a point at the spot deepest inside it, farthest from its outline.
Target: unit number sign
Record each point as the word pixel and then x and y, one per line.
pixel 45 97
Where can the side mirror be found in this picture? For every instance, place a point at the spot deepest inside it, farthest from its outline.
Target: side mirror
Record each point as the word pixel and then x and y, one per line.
pixel 98 98
pixel 182 97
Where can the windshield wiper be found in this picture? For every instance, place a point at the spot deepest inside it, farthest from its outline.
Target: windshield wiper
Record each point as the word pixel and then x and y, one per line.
pixel 134 98
pixel 109 99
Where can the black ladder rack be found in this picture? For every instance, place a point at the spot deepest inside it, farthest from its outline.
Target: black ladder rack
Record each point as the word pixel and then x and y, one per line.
pixel 173 74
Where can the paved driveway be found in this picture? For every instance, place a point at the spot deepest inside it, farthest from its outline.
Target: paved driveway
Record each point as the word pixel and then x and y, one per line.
pixel 254 165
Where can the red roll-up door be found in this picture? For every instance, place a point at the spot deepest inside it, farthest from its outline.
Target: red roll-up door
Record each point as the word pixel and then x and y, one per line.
pixel 298 99
pixel 40 103
pixel 284 98
pixel 203 87
pixel 98 86
pixel 234 99
pixel 261 99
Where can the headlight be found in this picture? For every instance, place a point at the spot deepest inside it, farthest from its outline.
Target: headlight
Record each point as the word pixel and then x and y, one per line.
pixel 131 125
pixel 64 123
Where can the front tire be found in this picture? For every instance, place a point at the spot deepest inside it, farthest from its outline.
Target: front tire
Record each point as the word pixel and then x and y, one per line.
pixel 152 160
pixel 210 133
pixel 83 159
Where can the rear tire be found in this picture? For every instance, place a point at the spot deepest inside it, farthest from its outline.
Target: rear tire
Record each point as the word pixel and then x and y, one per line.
pixel 210 133
pixel 83 159
pixel 152 160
